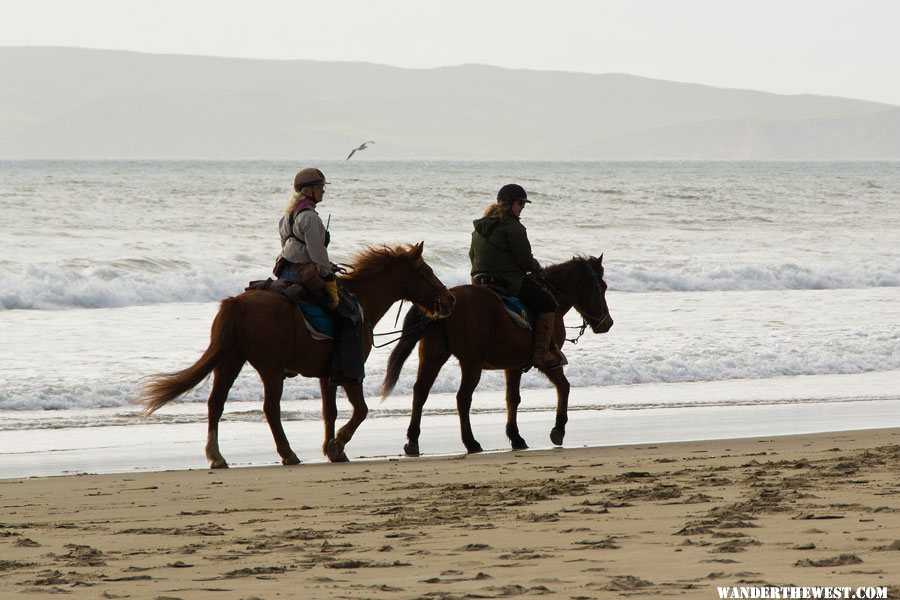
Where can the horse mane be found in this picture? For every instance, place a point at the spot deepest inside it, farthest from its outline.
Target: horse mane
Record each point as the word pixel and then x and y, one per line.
pixel 374 259
pixel 564 273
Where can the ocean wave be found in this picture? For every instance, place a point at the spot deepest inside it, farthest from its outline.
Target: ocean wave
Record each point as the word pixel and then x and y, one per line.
pixel 140 282
pixel 702 277
pixel 591 364
pixel 116 285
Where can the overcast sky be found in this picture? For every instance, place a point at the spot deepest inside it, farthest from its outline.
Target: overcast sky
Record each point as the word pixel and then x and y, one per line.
pixel 842 48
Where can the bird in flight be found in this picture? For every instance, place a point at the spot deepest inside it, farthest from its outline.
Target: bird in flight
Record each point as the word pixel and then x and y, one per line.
pixel 361 147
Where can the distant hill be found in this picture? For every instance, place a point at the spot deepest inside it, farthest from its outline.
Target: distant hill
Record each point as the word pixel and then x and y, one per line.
pixel 76 103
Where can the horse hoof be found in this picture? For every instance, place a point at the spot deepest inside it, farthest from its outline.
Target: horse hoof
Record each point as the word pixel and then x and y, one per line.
pixel 335 451
pixel 411 449
pixel 291 460
pixel 474 449
pixel 218 464
pixel 556 436
pixel 519 445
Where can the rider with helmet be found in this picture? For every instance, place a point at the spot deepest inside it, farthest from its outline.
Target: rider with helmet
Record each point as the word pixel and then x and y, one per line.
pixel 501 257
pixel 304 250
pixel 304 240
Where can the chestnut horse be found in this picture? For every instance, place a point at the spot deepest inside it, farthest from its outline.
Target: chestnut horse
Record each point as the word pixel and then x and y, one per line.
pixel 266 330
pixel 482 335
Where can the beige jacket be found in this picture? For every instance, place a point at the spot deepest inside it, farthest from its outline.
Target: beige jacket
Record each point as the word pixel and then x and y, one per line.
pixel 307 244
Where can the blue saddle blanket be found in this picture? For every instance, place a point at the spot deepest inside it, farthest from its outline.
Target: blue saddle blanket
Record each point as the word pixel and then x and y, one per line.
pixel 317 317
pixel 515 307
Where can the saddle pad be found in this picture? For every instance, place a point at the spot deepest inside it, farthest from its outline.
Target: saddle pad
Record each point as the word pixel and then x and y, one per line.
pixel 319 324
pixel 517 311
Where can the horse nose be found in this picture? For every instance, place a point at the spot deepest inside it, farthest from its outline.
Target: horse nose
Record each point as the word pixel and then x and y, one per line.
pixel 604 325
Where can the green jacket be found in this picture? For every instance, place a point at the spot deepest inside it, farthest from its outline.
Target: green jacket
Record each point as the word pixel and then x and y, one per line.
pixel 500 247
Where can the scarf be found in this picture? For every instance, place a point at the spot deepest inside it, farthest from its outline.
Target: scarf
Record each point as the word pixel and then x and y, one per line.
pixel 304 203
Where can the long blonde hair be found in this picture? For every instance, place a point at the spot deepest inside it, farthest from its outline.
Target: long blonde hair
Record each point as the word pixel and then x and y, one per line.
pixel 498 210
pixel 296 197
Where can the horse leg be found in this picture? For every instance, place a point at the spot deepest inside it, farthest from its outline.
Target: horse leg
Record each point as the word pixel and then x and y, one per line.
pixel 471 375
pixel 513 398
pixel 329 410
pixel 335 449
pixel 223 378
pixel 273 384
pixel 558 378
pixel 431 359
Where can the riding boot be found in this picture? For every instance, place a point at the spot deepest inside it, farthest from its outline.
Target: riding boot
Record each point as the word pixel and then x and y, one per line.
pixel 348 364
pixel 546 354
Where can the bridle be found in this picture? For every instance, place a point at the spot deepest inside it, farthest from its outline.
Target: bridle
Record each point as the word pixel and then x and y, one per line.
pixel 596 291
pixel 434 284
pixel 430 316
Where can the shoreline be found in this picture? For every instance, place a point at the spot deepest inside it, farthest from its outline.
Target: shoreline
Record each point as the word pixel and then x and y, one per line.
pixel 148 447
pixel 649 519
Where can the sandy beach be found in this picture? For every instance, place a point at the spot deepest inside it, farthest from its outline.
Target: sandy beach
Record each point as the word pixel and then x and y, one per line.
pixel 667 519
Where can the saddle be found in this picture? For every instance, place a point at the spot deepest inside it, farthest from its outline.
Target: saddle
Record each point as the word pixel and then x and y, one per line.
pixel 514 307
pixel 317 320
pixel 345 324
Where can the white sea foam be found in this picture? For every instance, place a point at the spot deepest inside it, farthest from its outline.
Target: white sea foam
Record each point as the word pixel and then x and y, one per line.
pixel 657 338
pixel 108 286
pixel 777 276
pixel 51 287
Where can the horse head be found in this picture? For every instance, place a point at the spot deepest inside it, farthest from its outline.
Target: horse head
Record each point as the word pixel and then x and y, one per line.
pixel 597 310
pixel 386 274
pixel 580 283
pixel 424 289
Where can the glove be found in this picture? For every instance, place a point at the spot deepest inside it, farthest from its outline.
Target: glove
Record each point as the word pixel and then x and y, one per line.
pixel 332 293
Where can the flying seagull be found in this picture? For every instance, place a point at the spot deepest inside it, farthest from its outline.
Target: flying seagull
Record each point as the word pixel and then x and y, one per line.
pixel 361 147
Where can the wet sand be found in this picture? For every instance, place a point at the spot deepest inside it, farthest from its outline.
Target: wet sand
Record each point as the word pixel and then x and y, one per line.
pixel 662 519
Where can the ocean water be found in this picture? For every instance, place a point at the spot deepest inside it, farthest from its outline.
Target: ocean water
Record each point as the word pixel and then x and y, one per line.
pixel 736 278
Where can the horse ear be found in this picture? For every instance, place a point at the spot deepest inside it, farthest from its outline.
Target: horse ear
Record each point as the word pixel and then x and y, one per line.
pixel 417 249
pixel 601 258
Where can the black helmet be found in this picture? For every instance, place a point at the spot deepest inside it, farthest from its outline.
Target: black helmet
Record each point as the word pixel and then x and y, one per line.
pixel 511 192
pixel 307 178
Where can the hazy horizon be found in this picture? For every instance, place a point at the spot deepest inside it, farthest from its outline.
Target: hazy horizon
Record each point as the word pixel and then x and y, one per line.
pixel 125 104
pixel 450 66
pixel 828 48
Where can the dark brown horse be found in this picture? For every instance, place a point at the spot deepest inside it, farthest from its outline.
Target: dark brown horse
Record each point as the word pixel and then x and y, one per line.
pixel 266 330
pixel 482 335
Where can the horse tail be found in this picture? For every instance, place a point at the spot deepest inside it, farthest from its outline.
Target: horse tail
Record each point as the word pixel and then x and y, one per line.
pixel 164 388
pixel 415 326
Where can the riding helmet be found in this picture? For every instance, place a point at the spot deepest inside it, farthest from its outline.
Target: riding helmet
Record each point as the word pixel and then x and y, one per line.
pixel 511 192
pixel 308 177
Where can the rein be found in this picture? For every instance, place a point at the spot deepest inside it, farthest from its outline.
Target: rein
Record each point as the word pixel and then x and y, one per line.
pixel 582 328
pixel 399 337
pixel 414 330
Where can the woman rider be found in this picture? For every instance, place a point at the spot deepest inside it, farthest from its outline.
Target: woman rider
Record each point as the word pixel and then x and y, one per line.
pixel 501 256
pixel 303 237
pixel 304 242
